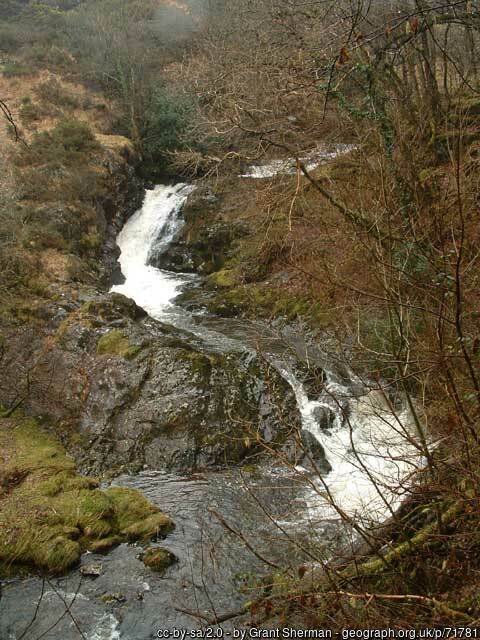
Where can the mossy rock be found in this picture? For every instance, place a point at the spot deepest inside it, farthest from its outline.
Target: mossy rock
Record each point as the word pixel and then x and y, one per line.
pixel 200 363
pixel 266 301
pixel 105 544
pixel 156 526
pixel 223 278
pixel 158 559
pixel 113 305
pixel 50 515
pixel 115 343
pixel 113 598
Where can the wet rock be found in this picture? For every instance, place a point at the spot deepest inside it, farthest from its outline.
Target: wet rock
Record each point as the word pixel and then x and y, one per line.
pixel 114 307
pixel 122 198
pixel 313 453
pixel 324 417
pixel 145 393
pixel 177 258
pixel 305 450
pixel 205 253
pixel 312 377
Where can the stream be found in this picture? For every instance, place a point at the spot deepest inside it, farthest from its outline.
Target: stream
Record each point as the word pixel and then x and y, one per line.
pixel 278 509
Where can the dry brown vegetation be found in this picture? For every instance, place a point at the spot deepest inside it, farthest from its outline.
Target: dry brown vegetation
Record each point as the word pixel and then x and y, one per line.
pixel 379 246
pixel 383 243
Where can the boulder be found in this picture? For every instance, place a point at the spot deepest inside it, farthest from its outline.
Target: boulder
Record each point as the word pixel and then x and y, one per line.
pixel 124 390
pixel 304 449
pixel 158 559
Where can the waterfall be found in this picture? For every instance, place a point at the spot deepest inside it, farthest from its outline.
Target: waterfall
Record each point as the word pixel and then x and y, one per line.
pixel 312 160
pixel 369 447
pixel 155 223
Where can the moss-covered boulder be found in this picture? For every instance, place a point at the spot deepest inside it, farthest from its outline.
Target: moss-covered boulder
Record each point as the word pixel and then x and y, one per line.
pixel 158 559
pixel 205 252
pixel 50 515
pixel 112 307
pixel 125 392
pixel 116 343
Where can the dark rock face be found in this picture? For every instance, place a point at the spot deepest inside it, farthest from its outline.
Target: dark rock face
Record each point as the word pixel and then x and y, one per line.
pixel 124 390
pixel 177 258
pixel 325 417
pixel 205 253
pixel 313 453
pixel 312 377
pixel 305 450
pixel 121 200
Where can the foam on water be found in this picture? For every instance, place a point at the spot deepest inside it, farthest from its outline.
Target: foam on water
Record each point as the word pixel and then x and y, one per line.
pixel 152 289
pixel 311 159
pixel 107 628
pixel 370 448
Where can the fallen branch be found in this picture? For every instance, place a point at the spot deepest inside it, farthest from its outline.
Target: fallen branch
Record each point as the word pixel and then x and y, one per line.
pixel 7 114
pixel 9 412
pixel 433 602
pixel 376 566
pixel 216 619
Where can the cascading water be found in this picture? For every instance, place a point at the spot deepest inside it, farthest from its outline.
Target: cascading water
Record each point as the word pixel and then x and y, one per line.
pixel 312 159
pixel 155 223
pixel 368 446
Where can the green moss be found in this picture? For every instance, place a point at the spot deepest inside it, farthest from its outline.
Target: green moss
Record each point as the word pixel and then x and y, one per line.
pixel 110 598
pixel 64 481
pixel 155 526
pixel 115 343
pixel 223 278
pixel 16 69
pixel 50 515
pixel 91 241
pixel 58 554
pixel 158 559
pixel 104 545
pixel 201 363
pixel 264 301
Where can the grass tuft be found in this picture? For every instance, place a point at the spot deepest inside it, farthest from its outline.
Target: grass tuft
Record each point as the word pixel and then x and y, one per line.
pixel 115 343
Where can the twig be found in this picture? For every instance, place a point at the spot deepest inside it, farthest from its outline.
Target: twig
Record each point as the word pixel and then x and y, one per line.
pixel 217 619
pixel 240 535
pixel 30 624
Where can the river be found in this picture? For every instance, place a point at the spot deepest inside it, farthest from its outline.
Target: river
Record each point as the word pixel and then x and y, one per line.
pixel 286 515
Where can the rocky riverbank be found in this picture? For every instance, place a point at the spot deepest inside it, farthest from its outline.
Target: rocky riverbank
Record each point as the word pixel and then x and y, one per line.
pixel 123 390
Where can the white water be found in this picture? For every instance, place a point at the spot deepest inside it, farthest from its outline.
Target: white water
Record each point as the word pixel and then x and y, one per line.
pixel 371 453
pixel 311 159
pixel 152 289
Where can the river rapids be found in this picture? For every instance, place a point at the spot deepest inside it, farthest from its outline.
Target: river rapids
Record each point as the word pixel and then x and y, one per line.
pixel 286 514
